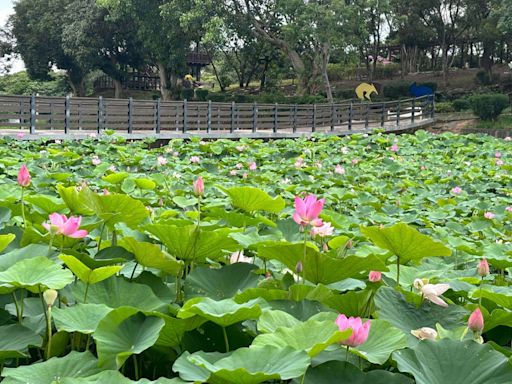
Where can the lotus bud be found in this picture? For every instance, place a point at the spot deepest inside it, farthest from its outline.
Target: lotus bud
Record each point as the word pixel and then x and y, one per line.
pixel 49 296
pixel 476 321
pixel 425 333
pixel 483 267
pixel 298 267
pixel 198 185
pixel 23 176
pixel 374 276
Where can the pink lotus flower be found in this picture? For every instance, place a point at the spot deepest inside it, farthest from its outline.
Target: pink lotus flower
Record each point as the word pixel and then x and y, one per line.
pixel 394 148
pixel 195 159
pixel 497 154
pixel 374 276
pixel 161 161
pixel 360 331
pixel 483 267
pixel 509 209
pixel 239 165
pixel 508 138
pixel 299 162
pixel 93 135
pixel 240 148
pixel 232 172
pixel 23 176
pixel 253 166
pixel 198 185
pixel 339 170
pixel 499 162
pixel 307 211
pixel 489 215
pixel 355 161
pixel 323 231
pixel 457 190
pixel 476 321
pixel 432 292
pixel 20 135
pixel 245 175
pixel 61 225
pixel 425 333
pixel 95 160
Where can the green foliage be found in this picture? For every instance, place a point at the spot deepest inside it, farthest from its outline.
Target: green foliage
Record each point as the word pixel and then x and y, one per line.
pixel 490 106
pixel 461 105
pixel 20 84
pixel 202 94
pixel 445 107
pixel 187 94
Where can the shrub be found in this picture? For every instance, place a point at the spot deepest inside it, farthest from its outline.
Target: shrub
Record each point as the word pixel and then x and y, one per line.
pixel 202 94
pixel 444 107
pixel 490 106
pixel 218 97
pixel 461 105
pixel 483 77
pixel 187 93
pixel 397 90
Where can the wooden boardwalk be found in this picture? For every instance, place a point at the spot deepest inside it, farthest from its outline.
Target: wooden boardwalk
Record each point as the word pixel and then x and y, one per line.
pixel 78 118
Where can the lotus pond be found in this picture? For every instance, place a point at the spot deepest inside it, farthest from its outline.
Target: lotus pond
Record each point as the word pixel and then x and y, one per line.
pixel 364 259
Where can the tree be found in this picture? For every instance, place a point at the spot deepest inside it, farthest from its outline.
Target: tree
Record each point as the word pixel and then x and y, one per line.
pixel 37 27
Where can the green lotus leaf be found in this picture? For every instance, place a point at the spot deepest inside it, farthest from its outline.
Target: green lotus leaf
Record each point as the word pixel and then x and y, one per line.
pixel 496 318
pixel 383 339
pixel 353 303
pixel 271 320
pixel 189 243
pixel 45 204
pixel 78 201
pixel 311 336
pixel 331 372
pixel 8 259
pixel 454 362
pixel 221 283
pixel 15 340
pixel 499 295
pixel 87 275
pixel 151 256
pixel 36 274
pixel 393 307
pixel 144 183
pixel 224 312
pixel 117 292
pixel 252 365
pixel 499 255
pixel 250 199
pixel 75 364
pixel 115 208
pixel 110 377
pixel 405 242
pixel 5 240
pixel 83 318
pixel 318 267
pixel 115 178
pixel 122 333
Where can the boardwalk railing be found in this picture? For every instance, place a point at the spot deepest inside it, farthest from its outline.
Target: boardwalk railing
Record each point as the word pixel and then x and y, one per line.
pixel 75 114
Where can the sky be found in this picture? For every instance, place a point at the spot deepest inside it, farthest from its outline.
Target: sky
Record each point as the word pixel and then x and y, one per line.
pixel 6 8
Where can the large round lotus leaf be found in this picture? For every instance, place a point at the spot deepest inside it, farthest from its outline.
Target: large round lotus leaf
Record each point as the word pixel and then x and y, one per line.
pixel 53 370
pixel 393 307
pixel 346 373
pixel 30 251
pixel 86 274
pixel 111 377
pixel 189 243
pixel 221 283
pixel 83 318
pixel 405 242
pixel 122 333
pixel 318 267
pixel 224 312
pixel 117 292
pixel 36 274
pixel 15 340
pixel 302 310
pixel 382 341
pixel 252 199
pixel 454 362
pixel 5 240
pixel 500 295
pixel 270 321
pixel 311 336
pixel 252 365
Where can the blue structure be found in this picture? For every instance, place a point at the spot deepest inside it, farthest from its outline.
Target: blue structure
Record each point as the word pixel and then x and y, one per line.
pixel 418 91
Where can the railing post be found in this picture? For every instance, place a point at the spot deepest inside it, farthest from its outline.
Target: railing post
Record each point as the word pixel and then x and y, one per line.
pixel 232 128
pixel 367 112
pixel 398 113
pixel 130 115
pixel 332 117
pixel 51 116
pixel 276 117
pixel 185 117
pixel 32 114
pixel 22 119
pixel 382 118
pixel 314 118
pixel 67 114
pixel 432 106
pixel 413 110
pixel 158 116
pixel 350 112
pixel 254 116
pixel 209 117
pixel 294 123
pixel 100 114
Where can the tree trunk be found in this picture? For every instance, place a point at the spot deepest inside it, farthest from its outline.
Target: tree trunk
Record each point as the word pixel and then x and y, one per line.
pixel 118 88
pixel 325 60
pixel 164 86
pixel 78 88
pixel 222 87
